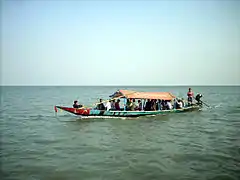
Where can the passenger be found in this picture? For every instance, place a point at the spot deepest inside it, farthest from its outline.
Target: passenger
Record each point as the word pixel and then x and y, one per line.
pixel 156 102
pixel 151 102
pixel 117 106
pixel 183 103
pixel 100 106
pixel 169 105
pixel 148 105
pixel 159 107
pixel 113 104
pixel 175 104
pixel 165 106
pixel 135 106
pixel 108 105
pixel 132 104
pixel 180 103
pixel 128 105
pixel 76 105
pixel 190 96
pixel 154 105
pixel 139 105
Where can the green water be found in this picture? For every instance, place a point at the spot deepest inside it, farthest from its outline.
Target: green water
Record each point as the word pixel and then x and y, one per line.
pixel 38 144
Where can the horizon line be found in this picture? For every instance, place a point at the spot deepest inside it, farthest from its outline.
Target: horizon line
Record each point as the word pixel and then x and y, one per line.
pixel 117 85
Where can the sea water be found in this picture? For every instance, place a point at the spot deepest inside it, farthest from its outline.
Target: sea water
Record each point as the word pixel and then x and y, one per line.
pixel 37 143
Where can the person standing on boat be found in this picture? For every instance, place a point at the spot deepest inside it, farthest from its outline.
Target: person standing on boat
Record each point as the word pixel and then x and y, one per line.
pixel 190 96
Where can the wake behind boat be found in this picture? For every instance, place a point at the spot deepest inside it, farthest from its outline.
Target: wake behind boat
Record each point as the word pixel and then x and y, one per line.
pixel 149 103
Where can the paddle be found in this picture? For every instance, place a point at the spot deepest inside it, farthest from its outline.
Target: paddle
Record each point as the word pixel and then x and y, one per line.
pixel 202 102
pixel 205 104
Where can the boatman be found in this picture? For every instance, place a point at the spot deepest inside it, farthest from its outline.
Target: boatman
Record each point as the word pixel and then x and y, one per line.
pixel 190 96
pixel 76 105
pixel 198 99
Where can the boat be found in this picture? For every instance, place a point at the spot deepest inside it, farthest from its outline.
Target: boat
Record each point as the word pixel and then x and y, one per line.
pixel 127 94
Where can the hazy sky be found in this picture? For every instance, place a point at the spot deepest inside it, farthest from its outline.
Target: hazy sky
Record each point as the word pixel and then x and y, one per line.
pixel 120 42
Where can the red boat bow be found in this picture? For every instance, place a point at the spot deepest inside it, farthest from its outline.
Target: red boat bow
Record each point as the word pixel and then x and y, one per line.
pixel 77 111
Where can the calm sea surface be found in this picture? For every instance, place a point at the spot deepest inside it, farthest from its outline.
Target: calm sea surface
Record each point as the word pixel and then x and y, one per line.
pixel 37 144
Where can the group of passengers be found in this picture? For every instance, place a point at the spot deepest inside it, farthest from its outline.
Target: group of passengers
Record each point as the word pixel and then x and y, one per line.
pixel 132 105
pixel 111 104
pixel 154 105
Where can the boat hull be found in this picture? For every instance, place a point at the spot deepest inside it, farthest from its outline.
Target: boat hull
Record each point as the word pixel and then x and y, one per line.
pixel 94 112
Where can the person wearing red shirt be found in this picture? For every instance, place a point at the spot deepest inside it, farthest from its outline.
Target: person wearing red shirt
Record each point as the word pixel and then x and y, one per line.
pixel 190 96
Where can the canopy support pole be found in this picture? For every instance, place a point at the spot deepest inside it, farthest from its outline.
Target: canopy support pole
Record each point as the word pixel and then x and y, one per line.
pixel 125 103
pixel 143 104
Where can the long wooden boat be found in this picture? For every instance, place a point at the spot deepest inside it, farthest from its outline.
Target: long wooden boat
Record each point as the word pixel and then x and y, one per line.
pixel 126 94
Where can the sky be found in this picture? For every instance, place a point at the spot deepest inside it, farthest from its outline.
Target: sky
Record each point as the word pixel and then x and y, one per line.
pixel 120 42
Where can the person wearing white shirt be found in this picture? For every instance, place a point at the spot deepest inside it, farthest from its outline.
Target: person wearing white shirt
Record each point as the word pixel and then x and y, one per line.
pixel 108 105
pixel 180 103
pixel 169 105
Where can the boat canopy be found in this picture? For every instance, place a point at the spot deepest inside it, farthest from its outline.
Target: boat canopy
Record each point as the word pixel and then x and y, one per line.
pixel 143 95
